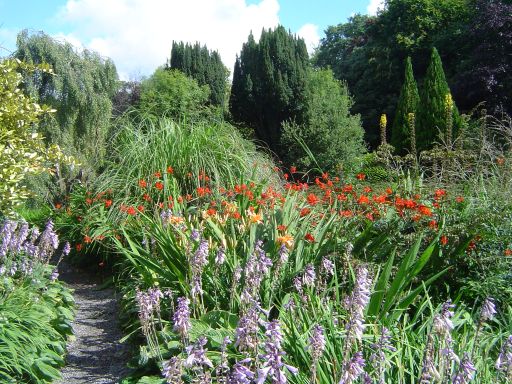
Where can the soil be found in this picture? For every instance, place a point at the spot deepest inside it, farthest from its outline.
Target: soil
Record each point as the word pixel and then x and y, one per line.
pixel 95 355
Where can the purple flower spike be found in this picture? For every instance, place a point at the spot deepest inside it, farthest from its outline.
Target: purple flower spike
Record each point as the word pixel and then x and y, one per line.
pixel 353 369
pixel 181 317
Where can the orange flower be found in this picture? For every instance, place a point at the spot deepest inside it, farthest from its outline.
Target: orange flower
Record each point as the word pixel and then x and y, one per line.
pixel 309 237
pixel 389 191
pixel 58 205
pixel 459 199
pixel 170 170
pixel 424 210
pixel 500 160
pixel 158 174
pixel 312 199
pixel 281 227
pixel 304 212
pixel 255 217
pixel 142 183
pixel 508 252
pixel 363 199
pixel 361 176
pixel 159 186
pixel 87 240
pixel 287 240
pixel 146 197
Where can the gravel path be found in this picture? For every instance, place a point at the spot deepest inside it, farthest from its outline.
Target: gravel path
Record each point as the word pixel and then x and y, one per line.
pixel 95 355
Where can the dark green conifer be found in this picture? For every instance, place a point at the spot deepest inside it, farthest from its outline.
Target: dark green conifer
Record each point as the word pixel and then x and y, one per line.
pixel 432 121
pixel 407 103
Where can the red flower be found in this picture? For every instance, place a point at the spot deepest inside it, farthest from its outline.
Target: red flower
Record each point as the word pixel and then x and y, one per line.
pixel 170 170
pixel 363 199
pixel 389 191
pixel 312 199
pixel 508 252
pixel 88 201
pixel 304 212
pixel 140 208
pixel 211 211
pixel 87 240
pixel 142 183
pixel 281 227
pixel 459 199
pixel 131 211
pixel 293 169
pixel 309 237
pixel 432 224
pixel 79 247
pixel 361 176
pixel 424 210
pixel 444 240
pixel 325 176
pixel 108 203
pixel 158 174
pixel 159 186
pixel 367 189
pixel 146 197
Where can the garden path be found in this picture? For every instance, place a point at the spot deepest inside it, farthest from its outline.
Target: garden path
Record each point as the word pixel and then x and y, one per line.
pixel 95 355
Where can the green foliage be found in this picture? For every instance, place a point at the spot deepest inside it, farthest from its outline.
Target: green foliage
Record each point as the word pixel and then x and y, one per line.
pixel 269 84
pixel 170 93
pixel 22 150
pixel 432 124
pixel 81 91
pixel 333 136
pixel 204 66
pixel 407 103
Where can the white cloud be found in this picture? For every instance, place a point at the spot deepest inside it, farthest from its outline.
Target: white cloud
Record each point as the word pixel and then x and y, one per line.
pixel 374 6
pixel 309 32
pixel 137 34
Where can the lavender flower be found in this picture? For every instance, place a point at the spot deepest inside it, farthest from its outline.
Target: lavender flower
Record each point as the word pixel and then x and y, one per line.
pixel 197 354
pixel 488 310
pixel 48 242
pixel 353 369
pixel 220 257
pixel 240 374
pixel 195 235
pixel 283 255
pixel 181 317
pixel 378 357
pixel 17 241
pixel 246 333
pixel 273 365
pixel 198 262
pixel 67 249
pixel 317 342
pixel 171 370
pixel 466 371
pixel 55 274
pixel 309 276
pixel 356 304
pixel 222 369
pixel 328 266
pixel 443 324
pixel 504 361
pixel 6 235
pixel 257 266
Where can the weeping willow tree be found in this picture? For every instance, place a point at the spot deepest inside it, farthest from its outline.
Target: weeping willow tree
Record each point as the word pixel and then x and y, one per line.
pixel 81 89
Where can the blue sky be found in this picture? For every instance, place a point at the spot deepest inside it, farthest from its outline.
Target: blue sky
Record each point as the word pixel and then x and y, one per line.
pixel 137 34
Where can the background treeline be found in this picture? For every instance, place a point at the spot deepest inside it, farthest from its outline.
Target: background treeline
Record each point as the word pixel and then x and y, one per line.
pixel 473 37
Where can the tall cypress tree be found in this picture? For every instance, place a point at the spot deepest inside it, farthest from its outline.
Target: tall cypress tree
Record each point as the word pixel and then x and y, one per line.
pixel 432 119
pixel 269 84
pixel 202 65
pixel 407 103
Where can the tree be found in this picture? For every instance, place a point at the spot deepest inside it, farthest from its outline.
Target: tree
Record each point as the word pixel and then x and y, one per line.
pixel 432 119
pixel 269 84
pixel 171 93
pixel 332 134
pixel 81 91
pixel 407 103
pixel 486 73
pixel 204 66
pixel 22 149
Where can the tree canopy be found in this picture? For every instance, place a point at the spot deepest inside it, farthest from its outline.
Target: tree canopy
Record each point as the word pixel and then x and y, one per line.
pixel 204 66
pixel 80 89
pixel 269 84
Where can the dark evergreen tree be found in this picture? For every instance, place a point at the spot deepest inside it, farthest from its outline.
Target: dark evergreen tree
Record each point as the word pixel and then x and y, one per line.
pixel 407 103
pixel 432 121
pixel 269 86
pixel 202 65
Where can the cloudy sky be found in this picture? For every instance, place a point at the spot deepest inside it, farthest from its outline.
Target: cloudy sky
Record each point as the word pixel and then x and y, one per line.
pixel 137 34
